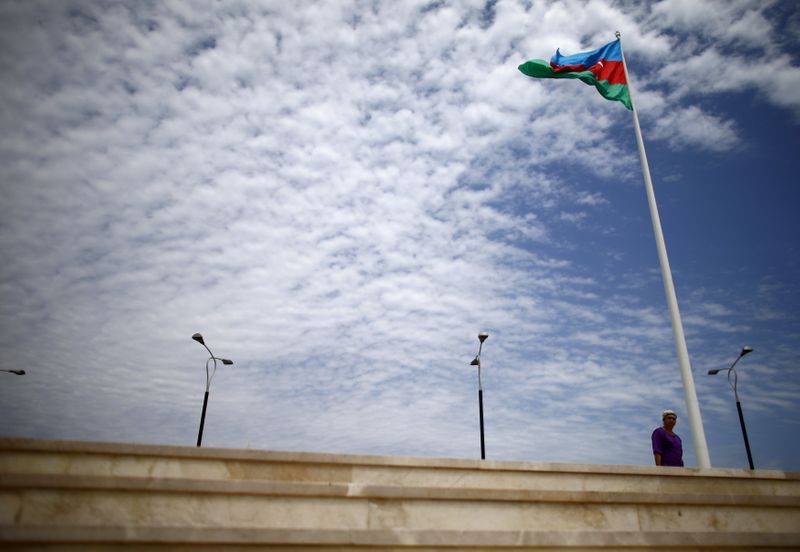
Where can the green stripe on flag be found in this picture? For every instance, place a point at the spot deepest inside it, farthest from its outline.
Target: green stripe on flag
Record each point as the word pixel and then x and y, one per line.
pixel 539 68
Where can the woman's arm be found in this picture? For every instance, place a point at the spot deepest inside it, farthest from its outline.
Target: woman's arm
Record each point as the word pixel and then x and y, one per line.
pixel 658 458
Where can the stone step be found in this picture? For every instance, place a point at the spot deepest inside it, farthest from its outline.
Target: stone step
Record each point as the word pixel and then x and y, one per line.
pixel 22 456
pixel 83 496
pixel 92 538
pixel 68 483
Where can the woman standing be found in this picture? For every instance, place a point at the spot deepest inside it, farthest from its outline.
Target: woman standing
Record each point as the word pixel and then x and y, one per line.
pixel 667 446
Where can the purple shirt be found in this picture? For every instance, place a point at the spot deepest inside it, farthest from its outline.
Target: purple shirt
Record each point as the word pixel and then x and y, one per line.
pixel 668 446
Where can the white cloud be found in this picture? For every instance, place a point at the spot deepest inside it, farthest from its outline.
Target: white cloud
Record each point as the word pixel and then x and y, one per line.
pixel 691 126
pixel 711 72
pixel 737 21
pixel 592 199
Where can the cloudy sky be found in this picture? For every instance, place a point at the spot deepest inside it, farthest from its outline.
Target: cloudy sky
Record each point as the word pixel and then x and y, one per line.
pixel 340 195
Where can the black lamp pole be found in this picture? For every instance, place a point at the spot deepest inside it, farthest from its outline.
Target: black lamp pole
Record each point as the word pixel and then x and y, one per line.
pixel 745 350
pixel 199 338
pixel 477 362
pixel 744 434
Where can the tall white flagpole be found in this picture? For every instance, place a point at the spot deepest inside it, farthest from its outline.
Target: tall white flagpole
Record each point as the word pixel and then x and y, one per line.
pixel 692 406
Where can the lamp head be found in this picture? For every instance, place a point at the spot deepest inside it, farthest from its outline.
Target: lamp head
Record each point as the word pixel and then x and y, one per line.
pixel 199 338
pixel 745 350
pixel 227 361
pixel 713 372
pixel 482 336
pixel 475 362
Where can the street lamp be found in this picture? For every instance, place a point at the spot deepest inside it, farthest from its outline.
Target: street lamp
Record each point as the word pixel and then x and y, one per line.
pixel 17 372
pixel 477 362
pixel 745 350
pixel 199 338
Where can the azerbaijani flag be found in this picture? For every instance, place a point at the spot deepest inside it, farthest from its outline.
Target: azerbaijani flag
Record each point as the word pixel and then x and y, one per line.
pixel 602 68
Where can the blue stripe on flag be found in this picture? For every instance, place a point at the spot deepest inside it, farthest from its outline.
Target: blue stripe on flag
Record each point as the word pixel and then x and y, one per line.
pixel 610 52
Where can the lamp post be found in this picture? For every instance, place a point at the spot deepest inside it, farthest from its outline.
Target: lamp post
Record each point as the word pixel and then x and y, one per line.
pixel 745 350
pixel 477 362
pixel 17 372
pixel 199 338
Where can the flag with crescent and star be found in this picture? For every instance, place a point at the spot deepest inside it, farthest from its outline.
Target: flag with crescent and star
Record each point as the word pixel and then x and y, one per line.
pixel 602 68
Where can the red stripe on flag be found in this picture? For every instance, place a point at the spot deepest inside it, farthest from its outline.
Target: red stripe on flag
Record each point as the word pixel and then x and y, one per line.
pixel 604 70
pixel 611 71
pixel 567 68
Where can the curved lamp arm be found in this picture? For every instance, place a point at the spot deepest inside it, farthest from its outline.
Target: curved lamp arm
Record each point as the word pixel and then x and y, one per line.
pixel 733 385
pixel 210 375
pixel 745 350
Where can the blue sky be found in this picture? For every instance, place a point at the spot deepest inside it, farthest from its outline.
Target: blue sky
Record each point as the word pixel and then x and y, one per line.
pixel 341 195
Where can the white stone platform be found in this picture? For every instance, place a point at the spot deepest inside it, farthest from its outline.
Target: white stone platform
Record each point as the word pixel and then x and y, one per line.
pixel 96 496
